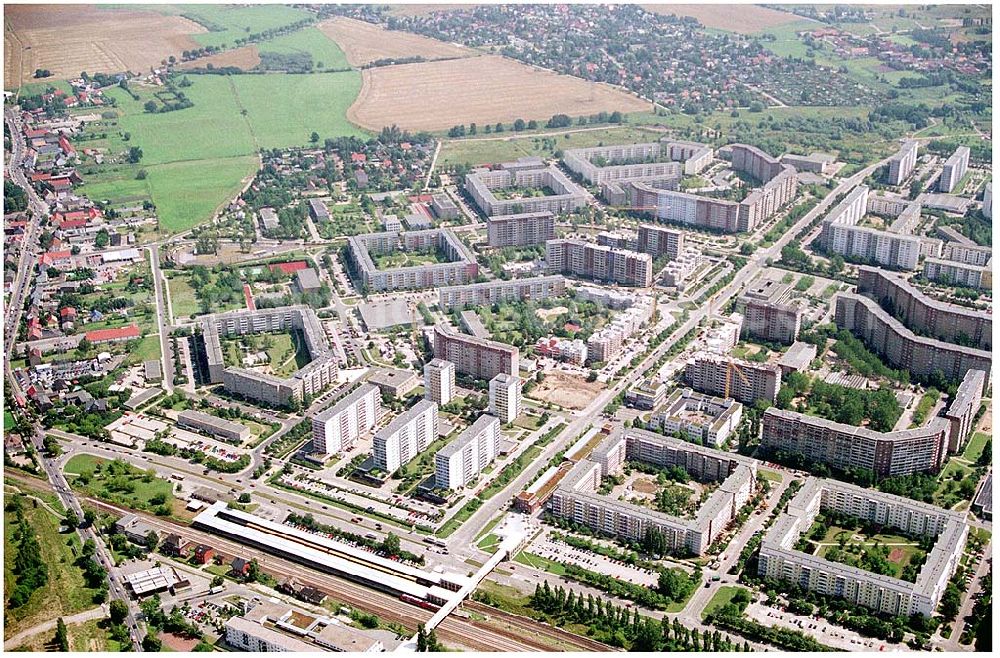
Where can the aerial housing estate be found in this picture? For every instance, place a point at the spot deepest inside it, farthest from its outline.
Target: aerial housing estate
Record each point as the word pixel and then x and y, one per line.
pixel 498 191
pixel 896 247
pixel 893 596
pixel 460 266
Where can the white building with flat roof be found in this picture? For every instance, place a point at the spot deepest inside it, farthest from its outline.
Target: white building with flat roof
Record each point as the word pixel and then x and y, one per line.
pixel 439 381
pixel 339 427
pixel 406 436
pixel 461 461
pixel 505 397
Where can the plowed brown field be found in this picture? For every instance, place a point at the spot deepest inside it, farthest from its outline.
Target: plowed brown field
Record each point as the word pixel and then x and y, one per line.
pixel 485 89
pixel 364 42
pixel 68 39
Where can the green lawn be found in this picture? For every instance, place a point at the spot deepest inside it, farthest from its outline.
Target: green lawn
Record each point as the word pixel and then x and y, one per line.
pixel 182 298
pixel 130 488
pixel 320 102
pixel 148 349
pixel 8 419
pixel 975 446
pixel 538 562
pixel 721 597
pixel 772 476
pixel 188 193
pixel 119 187
pixel 325 52
pixel 64 593
pixel 227 23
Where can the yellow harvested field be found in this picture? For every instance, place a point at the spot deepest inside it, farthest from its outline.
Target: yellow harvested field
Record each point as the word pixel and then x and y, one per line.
pixel 363 42
pixel 426 9
pixel 744 19
pixel 244 58
pixel 68 39
pixel 486 89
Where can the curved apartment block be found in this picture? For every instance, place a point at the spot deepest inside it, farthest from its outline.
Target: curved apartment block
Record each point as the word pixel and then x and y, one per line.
pixel 947 322
pixel 778 558
pixel 318 374
pixel 846 447
pixel 901 348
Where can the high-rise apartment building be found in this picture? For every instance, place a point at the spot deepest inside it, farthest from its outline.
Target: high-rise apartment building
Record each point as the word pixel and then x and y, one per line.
pixel 339 427
pixel 461 461
pixel 902 163
pixel 406 436
pixel 592 261
pixel 477 357
pixel 505 397
pixel 439 381
pixel 740 380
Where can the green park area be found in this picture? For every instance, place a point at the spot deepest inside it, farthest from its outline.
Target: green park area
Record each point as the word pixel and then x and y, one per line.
pixel 725 595
pixel 408 258
pixel 285 352
pixel 64 591
pixel 975 447
pixel 120 483
pixel 875 549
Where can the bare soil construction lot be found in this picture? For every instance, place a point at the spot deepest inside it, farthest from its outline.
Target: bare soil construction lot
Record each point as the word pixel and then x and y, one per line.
pixel 744 19
pixel 363 42
pixel 568 391
pixel 486 89
pixel 68 39
pixel 244 58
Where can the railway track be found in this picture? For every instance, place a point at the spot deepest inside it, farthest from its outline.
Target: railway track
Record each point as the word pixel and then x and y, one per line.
pixel 469 634
pixel 530 626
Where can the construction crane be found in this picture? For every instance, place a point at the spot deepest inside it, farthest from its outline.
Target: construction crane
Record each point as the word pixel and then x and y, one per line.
pixel 730 369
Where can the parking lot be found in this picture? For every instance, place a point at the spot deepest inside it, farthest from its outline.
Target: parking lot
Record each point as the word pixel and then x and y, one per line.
pixel 820 629
pixel 545 546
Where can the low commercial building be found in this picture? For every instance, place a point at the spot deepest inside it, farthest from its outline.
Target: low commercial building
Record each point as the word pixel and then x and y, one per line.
pixel 964 407
pixel 505 397
pixel 340 426
pixel 276 627
pixel 493 292
pixel 733 378
pixel 797 358
pixel 439 381
pixel 948 322
pixel 307 281
pixel 394 381
pixel 647 394
pixel 843 447
pixel 593 261
pixel 901 164
pixel 576 497
pixel 477 357
pixel 571 350
pixel 704 419
pixel 892 596
pixel 318 210
pixel 444 207
pixel 901 348
pixel 226 430
pixel 841 235
pixel 406 436
pixel 819 163
pixel 953 170
pixel 958 274
pixel 315 376
pixel 483 185
pixel 461 266
pixel 461 461
pixel 520 230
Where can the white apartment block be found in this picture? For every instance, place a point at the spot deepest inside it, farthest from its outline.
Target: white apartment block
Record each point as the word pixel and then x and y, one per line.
pixel 704 419
pixel 339 427
pixel 841 235
pixel 461 461
pixel 970 254
pixel 740 380
pixel 505 397
pixel 954 168
pixel 599 262
pixel 963 409
pixel 493 292
pixel 988 201
pixel 526 172
pixel 958 274
pixel 406 436
pixel 439 381
pixel 608 342
pixel 902 163
pixel 617 163
pixel 778 558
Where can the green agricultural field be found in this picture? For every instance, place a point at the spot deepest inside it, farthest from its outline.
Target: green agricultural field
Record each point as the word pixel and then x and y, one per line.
pixel 42 86
pixel 118 188
pixel 65 592
pixel 227 23
pixel 320 102
pixel 787 41
pixel 188 193
pixel 326 54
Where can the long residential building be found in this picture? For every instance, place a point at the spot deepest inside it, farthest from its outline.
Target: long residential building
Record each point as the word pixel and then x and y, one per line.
pixel 460 268
pixel 948 322
pixel 618 163
pixel 779 559
pixel 841 235
pixel 493 292
pixel 840 446
pixel 406 436
pixel 461 461
pixel 477 357
pixel 576 497
pixel 779 187
pixel 607 342
pixel 740 380
pixel 963 409
pixel 970 254
pixel 706 419
pixel 953 170
pixel 483 184
pixel 958 274
pixel 521 230
pixel 339 427
pixel 592 261
pixel 318 374
pixel 901 164
pixel 901 348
